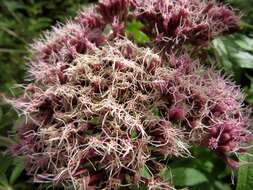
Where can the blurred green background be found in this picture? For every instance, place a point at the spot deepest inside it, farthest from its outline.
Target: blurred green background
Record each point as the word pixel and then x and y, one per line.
pixel 21 21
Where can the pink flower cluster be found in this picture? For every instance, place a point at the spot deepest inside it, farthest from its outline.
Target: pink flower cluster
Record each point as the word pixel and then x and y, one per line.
pixel 101 108
pixel 181 21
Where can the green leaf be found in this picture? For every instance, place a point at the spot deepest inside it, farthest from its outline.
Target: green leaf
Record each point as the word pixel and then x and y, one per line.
pixel 166 175
pixel 6 142
pixel 1 113
pixel 244 59
pixel 145 172
pixel 245 174
pixel 187 177
pixel 95 120
pixel 246 25
pixel 3 180
pixel 220 46
pixel 2 187
pixel 134 29
pixel 6 188
pixel 243 42
pixel 14 5
pixel 249 90
pixel 233 44
pixel 5 161
pixel 39 24
pixel 235 54
pixel 221 186
pixel 134 134
pixel 155 111
pixel 16 173
pixel 222 54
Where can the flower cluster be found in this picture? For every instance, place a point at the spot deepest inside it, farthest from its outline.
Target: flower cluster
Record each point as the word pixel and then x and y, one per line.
pixel 182 21
pixel 101 108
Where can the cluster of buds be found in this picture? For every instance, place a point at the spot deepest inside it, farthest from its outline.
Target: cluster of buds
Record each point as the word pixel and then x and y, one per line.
pixel 101 108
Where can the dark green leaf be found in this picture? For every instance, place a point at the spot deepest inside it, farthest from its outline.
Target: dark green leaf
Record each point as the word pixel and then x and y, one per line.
pixel 134 134
pixel 244 59
pixel 221 186
pixel 145 172
pixel 16 173
pixel 1 113
pixel 245 175
pixel 5 161
pixel 95 121
pixel 185 177
pixel 243 42
pixel 3 180
pixel 6 142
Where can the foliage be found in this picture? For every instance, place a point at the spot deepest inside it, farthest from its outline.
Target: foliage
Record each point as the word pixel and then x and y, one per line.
pixel 245 6
pixel 235 53
pixel 245 174
pixel 10 173
pixel 207 170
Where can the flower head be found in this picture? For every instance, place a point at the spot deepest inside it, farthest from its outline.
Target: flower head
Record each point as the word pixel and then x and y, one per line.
pixel 101 108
